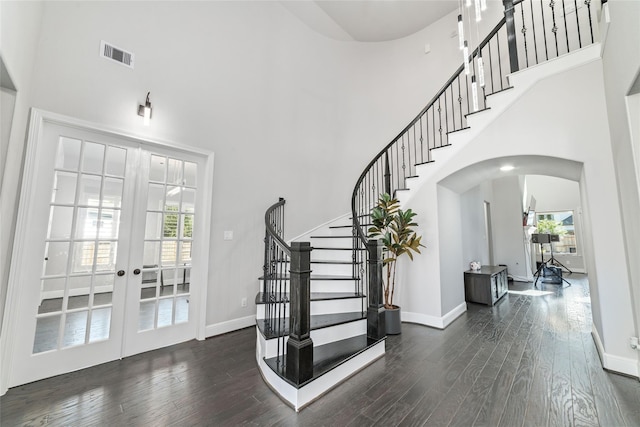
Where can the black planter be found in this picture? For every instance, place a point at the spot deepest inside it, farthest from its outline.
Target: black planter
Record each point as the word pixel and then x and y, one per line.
pixel 392 321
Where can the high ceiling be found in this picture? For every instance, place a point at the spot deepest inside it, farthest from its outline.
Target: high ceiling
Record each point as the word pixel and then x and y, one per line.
pixel 369 20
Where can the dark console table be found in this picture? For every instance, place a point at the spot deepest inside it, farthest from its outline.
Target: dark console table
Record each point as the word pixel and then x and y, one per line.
pixel 485 286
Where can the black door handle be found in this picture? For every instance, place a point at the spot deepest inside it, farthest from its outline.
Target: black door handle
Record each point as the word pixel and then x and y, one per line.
pixel 136 271
pixel 120 273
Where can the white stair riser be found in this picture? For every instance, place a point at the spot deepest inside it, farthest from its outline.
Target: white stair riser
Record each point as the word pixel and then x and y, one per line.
pixel 332 269
pixel 342 231
pixel 269 348
pixel 323 286
pixel 324 268
pixel 346 305
pixel 337 242
pixel 337 255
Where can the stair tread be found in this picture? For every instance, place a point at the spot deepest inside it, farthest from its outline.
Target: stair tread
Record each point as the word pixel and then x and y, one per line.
pixel 459 130
pixel 318 321
pixel 331 237
pixel 334 261
pixel 425 163
pixel 314 296
pixel 313 277
pixel 476 112
pixel 329 356
pixel 322 248
pixel 323 261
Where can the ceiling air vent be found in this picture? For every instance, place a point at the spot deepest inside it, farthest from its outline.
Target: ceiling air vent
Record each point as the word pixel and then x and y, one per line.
pixel 113 53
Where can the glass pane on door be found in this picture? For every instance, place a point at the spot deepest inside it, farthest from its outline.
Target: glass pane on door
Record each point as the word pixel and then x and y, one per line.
pixel 164 293
pixel 76 283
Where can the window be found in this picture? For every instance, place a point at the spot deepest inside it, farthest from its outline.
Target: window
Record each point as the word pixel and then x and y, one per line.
pixel 560 223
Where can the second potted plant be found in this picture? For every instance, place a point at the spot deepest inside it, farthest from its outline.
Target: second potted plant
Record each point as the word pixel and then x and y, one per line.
pixel 395 228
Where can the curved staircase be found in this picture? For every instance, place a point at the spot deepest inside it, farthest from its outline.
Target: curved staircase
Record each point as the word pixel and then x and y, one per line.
pixel 319 313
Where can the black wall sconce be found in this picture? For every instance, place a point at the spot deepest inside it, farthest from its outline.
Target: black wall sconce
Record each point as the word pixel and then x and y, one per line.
pixel 145 110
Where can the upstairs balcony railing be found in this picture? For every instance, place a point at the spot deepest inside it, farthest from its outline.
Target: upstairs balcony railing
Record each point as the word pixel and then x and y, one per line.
pixel 531 32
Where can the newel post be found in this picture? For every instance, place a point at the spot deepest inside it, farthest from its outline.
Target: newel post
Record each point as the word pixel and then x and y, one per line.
pixel 387 174
pixel 299 346
pixel 511 35
pixel 375 311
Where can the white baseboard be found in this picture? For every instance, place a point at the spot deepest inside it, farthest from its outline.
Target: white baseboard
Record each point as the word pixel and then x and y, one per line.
pixel 433 321
pixel 229 326
pixel 623 365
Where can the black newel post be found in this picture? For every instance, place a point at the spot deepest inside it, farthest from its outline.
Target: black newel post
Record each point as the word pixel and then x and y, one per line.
pixel 387 174
pixel 375 311
pixel 511 35
pixel 299 346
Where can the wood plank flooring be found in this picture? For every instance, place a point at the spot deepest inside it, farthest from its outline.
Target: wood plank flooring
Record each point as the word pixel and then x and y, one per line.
pixel 528 361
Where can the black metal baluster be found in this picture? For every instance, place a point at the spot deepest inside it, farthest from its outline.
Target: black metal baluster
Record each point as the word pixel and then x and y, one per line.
pixel 524 36
pixel 533 28
pixel 421 142
pixel 415 153
pixel 460 103
pixel 404 162
pixel 499 62
pixel 554 29
pixel 453 109
pixel 566 29
pixel 440 120
pixel 544 30
pixel 575 4
pixel 588 3
pixel 426 122
pixel 446 118
pixel 395 169
pixel 493 86
pixel 433 112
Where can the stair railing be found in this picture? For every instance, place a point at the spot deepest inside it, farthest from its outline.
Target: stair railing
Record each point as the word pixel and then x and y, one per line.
pixel 286 295
pixel 531 32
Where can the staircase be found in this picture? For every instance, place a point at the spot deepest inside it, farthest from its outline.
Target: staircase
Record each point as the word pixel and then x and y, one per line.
pixel 334 337
pixel 319 313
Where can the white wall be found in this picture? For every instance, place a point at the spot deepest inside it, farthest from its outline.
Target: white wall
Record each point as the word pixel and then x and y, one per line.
pixel 621 65
pixel 551 118
pixel 19 34
pixel 450 248
pixel 247 81
pixel 474 245
pixel 506 216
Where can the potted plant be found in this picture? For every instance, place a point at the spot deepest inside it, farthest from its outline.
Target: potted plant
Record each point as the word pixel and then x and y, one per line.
pixel 394 227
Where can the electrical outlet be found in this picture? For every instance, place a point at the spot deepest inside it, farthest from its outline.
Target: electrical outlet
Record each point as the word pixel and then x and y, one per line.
pixel 228 235
pixel 243 302
pixel 633 342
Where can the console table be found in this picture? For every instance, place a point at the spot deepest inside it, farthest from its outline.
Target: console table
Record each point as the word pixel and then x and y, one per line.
pixel 487 285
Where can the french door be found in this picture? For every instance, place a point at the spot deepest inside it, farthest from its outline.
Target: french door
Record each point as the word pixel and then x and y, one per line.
pixel 107 264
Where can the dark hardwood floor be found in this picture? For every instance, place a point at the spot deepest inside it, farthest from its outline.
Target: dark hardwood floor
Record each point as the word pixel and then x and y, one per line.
pixel 528 361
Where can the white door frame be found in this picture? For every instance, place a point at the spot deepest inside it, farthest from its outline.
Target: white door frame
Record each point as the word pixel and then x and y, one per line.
pixel 38 118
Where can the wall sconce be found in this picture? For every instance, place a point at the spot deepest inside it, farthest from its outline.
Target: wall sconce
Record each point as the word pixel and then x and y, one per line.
pixel 145 110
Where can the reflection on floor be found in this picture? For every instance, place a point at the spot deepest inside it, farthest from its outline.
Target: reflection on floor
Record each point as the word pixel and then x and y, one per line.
pixel 76 331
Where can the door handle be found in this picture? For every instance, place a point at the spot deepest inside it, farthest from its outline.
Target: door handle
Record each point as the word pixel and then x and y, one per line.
pixel 136 271
pixel 120 273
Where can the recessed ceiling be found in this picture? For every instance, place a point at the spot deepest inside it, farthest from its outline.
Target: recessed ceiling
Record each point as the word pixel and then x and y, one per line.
pixel 369 20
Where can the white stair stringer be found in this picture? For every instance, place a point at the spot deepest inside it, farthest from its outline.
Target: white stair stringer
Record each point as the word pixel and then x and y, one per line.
pixel 302 396
pixel 521 82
